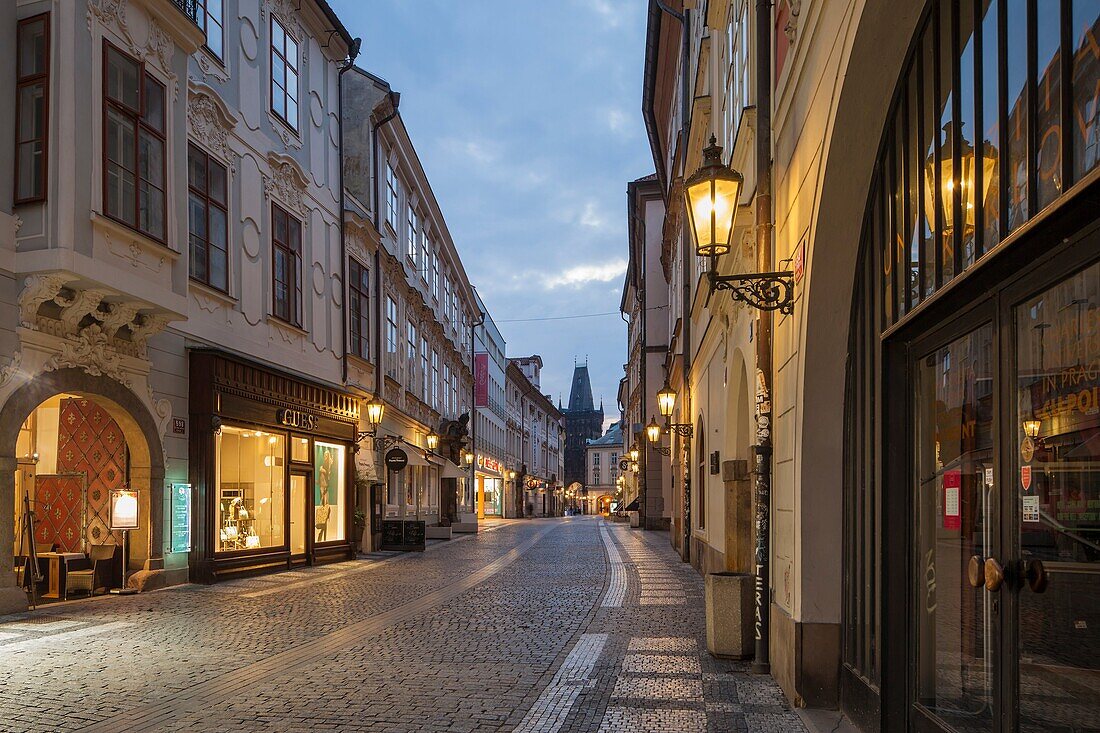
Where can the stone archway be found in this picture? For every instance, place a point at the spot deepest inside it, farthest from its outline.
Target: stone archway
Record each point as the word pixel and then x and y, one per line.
pixel 146 469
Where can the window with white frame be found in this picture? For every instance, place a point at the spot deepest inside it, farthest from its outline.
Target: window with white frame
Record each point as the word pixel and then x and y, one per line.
pixel 737 68
pixel 393 188
pixel 208 15
pixel 391 336
pixel 454 392
pixel 410 356
pixel 412 224
pixel 425 249
pixel 448 405
pixel 435 275
pixel 424 368
pixel 435 380
pixel 284 74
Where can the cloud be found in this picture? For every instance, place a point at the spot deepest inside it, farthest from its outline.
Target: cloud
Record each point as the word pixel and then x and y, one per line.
pixel 476 151
pixel 581 275
pixel 616 120
pixel 591 217
pixel 610 15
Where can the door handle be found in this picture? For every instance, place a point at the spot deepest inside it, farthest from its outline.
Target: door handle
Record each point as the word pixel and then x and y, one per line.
pixel 975 572
pixel 994 575
pixel 1036 575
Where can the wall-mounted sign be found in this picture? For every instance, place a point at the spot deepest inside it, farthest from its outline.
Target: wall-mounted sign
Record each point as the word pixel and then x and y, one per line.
pixel 1025 477
pixel 1030 508
pixel 800 261
pixel 124 509
pixel 1027 449
pixel 481 380
pixel 181 518
pixel 490 463
pixel 952 483
pixel 296 419
pixel 624 464
pixel 179 425
pixel 396 459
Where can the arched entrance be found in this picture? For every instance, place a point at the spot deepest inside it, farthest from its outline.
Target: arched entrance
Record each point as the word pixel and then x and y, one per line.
pixel 87 397
pixel 603 505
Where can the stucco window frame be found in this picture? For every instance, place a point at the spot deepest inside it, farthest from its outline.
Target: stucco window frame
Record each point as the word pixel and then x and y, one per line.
pixel 39 78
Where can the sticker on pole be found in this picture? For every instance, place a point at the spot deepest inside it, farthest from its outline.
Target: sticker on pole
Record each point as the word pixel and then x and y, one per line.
pixel 1025 477
pixel 952 483
pixel 1030 511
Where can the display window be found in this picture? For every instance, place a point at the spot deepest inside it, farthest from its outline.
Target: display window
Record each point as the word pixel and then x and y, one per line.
pixel 330 490
pixel 299 449
pixel 251 486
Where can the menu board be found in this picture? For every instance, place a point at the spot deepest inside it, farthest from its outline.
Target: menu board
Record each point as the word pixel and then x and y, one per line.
pixel 181 518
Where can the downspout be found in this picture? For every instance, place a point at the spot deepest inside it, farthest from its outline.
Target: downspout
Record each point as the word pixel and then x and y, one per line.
pixel 395 100
pixel 764 256
pixel 352 55
pixel 473 405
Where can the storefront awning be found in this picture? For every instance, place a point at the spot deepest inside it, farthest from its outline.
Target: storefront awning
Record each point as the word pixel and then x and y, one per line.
pixel 450 470
pixel 631 507
pixel 416 456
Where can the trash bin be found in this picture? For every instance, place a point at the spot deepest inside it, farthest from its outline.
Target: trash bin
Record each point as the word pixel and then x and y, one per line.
pixel 728 598
pixel 633 519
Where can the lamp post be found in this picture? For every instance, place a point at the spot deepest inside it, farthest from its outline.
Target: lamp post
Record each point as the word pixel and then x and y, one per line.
pixel 432 440
pixel 124 517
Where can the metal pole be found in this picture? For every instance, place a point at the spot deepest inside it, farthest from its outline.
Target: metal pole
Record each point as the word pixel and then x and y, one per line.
pixel 763 450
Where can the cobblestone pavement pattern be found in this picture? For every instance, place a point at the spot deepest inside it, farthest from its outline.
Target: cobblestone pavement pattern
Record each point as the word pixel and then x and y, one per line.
pixel 544 625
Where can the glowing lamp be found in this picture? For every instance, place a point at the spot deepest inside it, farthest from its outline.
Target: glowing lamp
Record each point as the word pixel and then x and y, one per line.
pixel 375 411
pixel 666 400
pixel 653 430
pixel 711 195
pixel 124 509
pixel 1032 427
pixel 432 440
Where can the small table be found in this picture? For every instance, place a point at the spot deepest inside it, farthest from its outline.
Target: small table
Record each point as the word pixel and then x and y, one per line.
pixel 59 562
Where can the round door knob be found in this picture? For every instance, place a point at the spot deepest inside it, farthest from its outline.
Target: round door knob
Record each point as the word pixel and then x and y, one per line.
pixel 975 572
pixel 1036 575
pixel 994 575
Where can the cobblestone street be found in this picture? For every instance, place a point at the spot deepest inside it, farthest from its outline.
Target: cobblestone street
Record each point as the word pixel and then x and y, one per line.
pixel 544 625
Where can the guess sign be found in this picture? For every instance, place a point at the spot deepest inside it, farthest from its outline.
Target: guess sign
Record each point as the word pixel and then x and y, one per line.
pixel 296 419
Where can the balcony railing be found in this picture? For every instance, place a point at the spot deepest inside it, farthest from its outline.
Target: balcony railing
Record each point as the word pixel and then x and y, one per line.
pixel 190 8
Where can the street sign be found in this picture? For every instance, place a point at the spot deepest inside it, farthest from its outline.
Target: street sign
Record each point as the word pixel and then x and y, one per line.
pixel 396 459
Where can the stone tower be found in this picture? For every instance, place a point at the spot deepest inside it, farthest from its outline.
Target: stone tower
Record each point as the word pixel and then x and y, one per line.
pixel 583 421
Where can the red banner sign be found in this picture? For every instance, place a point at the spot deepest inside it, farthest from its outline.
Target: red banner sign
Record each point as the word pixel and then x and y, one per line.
pixel 952 484
pixel 481 380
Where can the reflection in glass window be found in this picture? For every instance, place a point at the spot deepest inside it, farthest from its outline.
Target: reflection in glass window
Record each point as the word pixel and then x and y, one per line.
pixel 1085 35
pixel 329 491
pixel 250 467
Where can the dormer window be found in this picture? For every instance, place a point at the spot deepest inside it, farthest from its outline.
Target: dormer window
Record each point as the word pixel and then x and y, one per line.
pixel 284 74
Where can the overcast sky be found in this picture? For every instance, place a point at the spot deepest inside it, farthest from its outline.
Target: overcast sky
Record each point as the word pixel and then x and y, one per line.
pixel 526 116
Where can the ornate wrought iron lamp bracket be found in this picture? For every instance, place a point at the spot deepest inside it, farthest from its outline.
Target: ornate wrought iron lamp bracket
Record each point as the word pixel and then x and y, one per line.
pixel 684 430
pixel 769 291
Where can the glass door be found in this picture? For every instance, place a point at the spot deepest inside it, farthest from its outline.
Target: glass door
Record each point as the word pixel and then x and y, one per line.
pixel 299 493
pixel 1055 487
pixel 955 523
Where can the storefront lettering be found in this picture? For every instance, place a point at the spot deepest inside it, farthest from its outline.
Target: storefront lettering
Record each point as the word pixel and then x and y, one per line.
pixel 1086 402
pixel 296 419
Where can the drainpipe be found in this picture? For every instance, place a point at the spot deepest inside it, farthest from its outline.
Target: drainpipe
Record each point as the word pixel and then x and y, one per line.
pixel 473 406
pixel 764 256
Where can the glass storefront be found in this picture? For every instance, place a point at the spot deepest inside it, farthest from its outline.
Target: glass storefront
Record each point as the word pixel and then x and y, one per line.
pixel 251 488
pixel 329 503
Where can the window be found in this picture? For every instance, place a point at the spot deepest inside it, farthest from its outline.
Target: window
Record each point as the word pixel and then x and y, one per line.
pixel 412 227
pixel 250 466
pixel 329 506
pixel 448 403
pixel 393 188
pixel 424 368
pixel 286 266
pixel 284 74
pixel 596 476
pixel 435 275
pixel 425 248
pixel 596 458
pixel 359 302
pixel 207 15
pixel 435 380
pixel 133 166
pixel 410 353
pixel 454 392
pixel 207 217
pixel 391 337
pixel 32 108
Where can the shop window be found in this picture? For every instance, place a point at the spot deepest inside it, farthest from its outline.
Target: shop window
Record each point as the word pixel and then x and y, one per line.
pixel 207 217
pixel 299 449
pixel 329 491
pixel 133 152
pixel 32 108
pixel 284 74
pixel 251 486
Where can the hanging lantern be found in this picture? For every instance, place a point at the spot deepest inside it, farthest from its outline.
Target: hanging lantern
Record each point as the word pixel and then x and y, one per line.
pixel 711 195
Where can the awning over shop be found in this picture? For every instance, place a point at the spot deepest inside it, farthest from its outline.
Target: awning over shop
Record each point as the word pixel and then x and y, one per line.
pixel 416 456
pixel 631 507
pixel 450 470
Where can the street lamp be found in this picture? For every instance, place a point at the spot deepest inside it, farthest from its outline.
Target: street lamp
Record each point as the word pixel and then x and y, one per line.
pixel 432 440
pixel 376 408
pixel 511 475
pixel 711 195
pixel 1031 428
pixel 666 403
pixel 468 457
pixel 653 432
pixel 633 453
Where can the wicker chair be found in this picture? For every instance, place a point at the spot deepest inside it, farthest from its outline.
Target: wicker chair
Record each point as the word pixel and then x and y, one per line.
pixel 101 555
